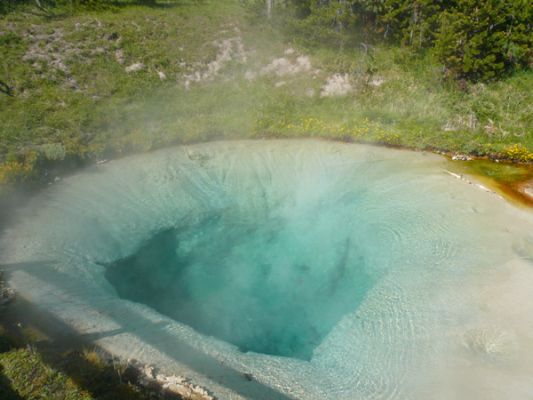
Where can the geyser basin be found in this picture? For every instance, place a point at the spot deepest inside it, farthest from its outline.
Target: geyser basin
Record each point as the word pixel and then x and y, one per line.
pixel 324 270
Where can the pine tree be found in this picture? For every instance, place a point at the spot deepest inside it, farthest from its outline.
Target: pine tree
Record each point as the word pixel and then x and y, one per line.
pixel 483 40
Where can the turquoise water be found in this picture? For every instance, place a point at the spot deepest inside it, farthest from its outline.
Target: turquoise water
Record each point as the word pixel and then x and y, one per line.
pixel 327 271
pixel 271 285
pixel 270 263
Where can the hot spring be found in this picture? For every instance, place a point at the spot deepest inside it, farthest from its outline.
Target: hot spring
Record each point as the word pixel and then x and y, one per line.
pixel 290 269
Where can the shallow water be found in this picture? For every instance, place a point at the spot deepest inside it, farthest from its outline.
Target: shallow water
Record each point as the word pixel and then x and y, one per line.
pixel 325 270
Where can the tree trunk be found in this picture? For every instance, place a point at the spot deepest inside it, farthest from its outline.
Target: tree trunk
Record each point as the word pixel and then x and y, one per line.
pixel 270 5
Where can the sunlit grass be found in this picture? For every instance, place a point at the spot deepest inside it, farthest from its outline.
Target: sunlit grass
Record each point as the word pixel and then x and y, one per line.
pixel 111 112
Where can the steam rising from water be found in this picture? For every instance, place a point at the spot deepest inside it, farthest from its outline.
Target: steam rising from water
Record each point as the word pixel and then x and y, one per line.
pixel 274 284
pixel 390 277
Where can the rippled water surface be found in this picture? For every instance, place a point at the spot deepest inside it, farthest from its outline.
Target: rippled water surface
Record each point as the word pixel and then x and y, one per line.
pixel 325 270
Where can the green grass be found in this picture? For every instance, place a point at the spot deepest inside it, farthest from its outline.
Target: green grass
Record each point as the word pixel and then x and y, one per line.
pixel 29 377
pixel 42 373
pixel 93 109
pixel 34 367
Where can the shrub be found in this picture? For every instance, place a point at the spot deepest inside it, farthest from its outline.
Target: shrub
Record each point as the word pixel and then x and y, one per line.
pixel 474 40
pixel 483 40
pixel 517 152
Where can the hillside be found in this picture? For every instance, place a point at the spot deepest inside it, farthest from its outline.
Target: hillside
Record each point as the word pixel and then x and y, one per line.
pixel 81 86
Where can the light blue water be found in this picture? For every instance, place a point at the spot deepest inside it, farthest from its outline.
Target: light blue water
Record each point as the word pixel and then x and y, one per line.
pixel 272 285
pixel 374 273
pixel 267 262
pixel 272 260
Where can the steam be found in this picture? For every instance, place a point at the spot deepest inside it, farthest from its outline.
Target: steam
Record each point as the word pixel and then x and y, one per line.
pixel 330 250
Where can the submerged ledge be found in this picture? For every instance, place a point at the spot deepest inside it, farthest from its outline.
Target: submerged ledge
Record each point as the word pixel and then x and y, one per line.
pixel 452 287
pixel 513 181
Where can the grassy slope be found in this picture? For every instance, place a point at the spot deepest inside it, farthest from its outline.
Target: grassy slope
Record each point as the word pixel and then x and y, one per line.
pixel 72 100
pixel 43 373
pixel 34 365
